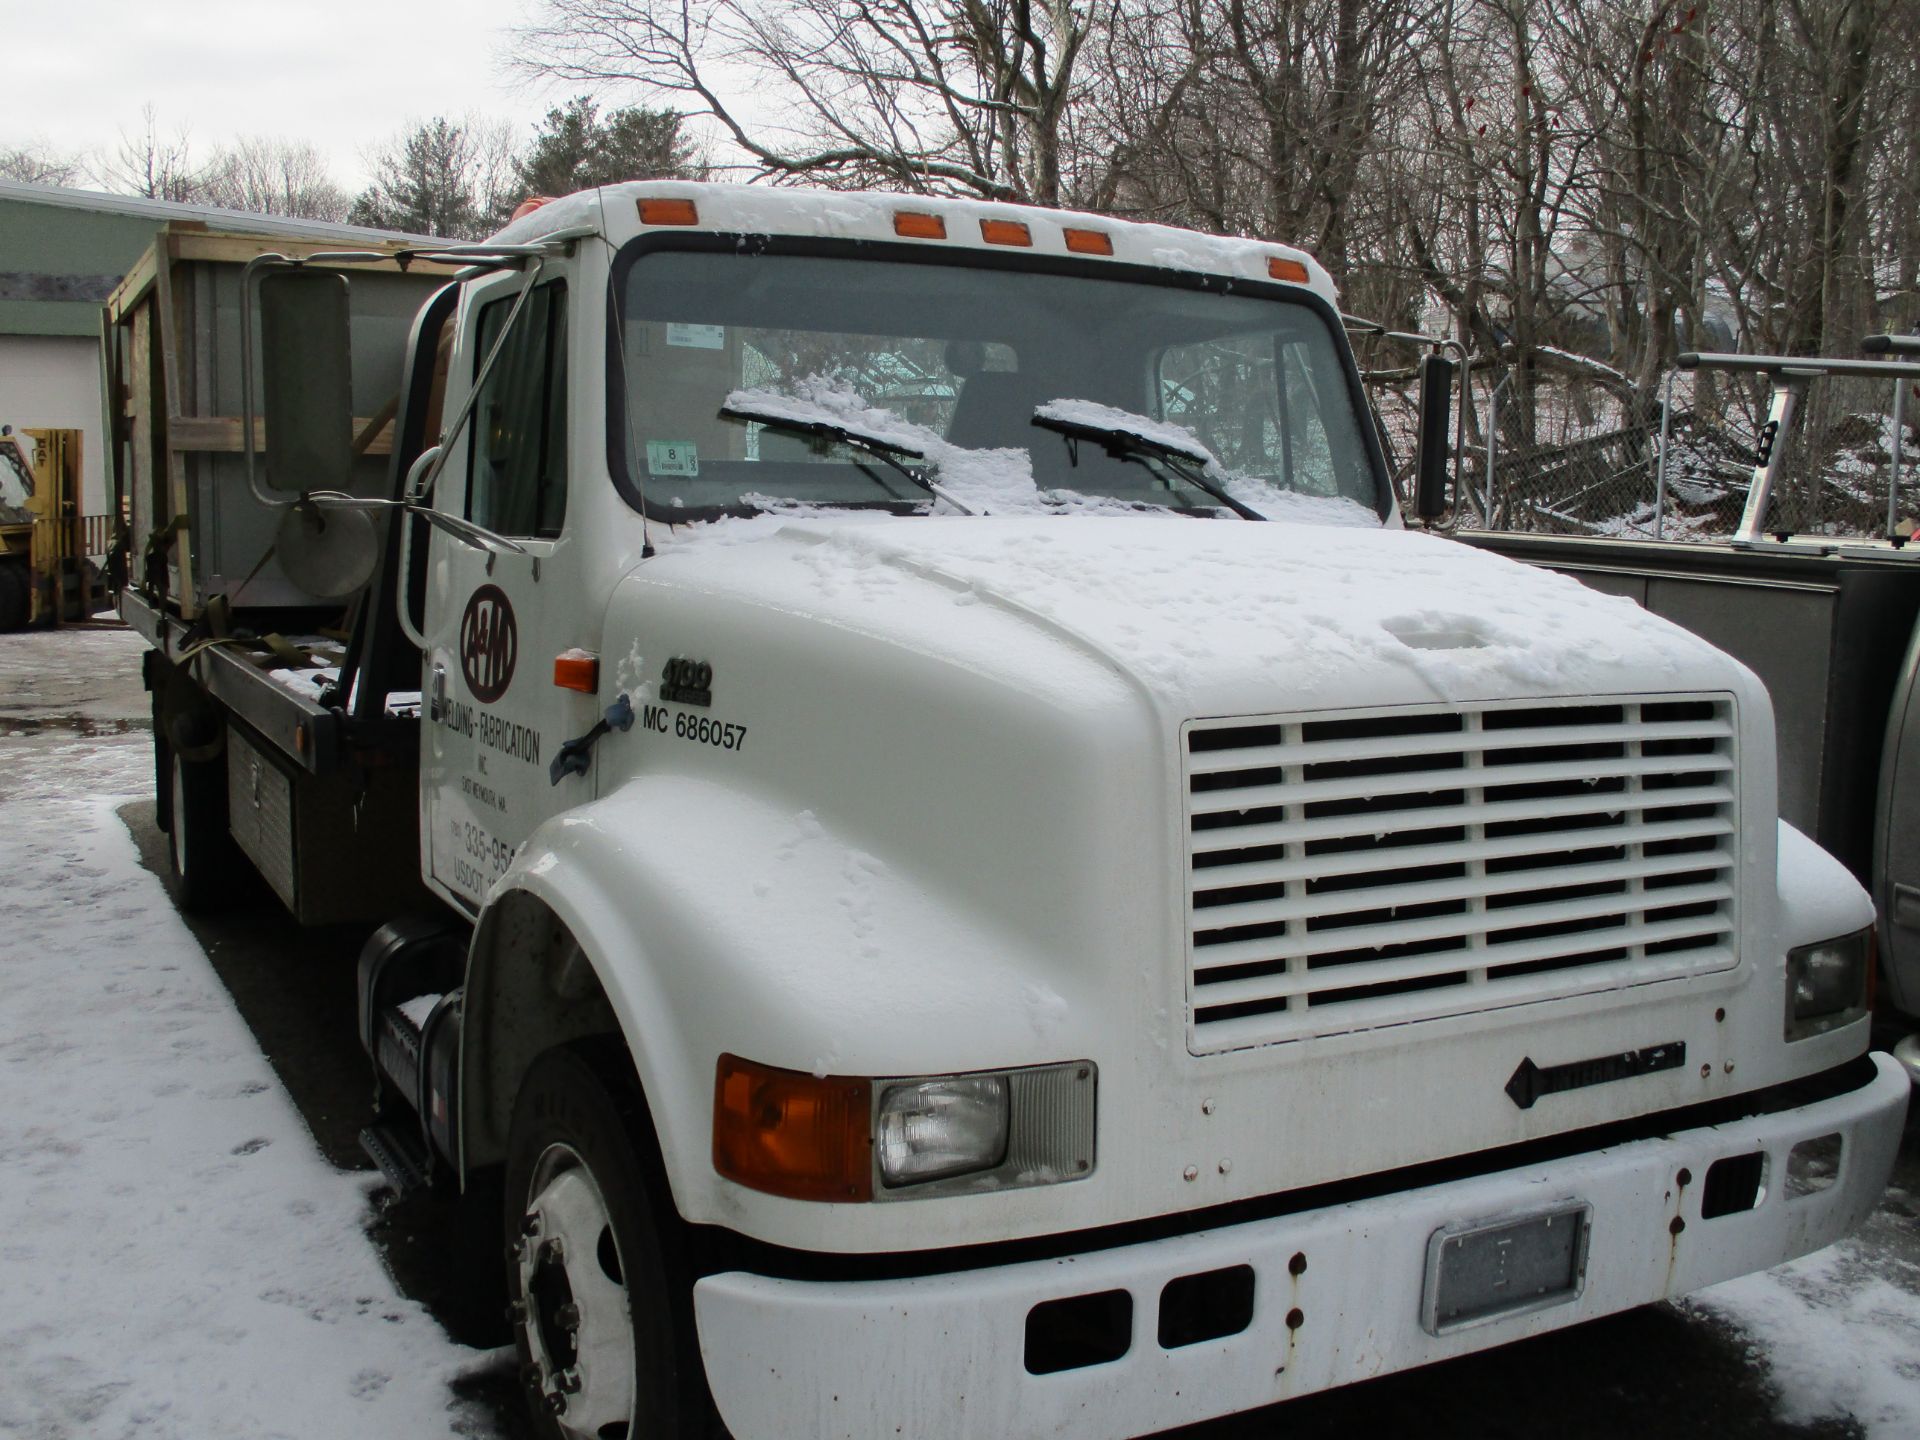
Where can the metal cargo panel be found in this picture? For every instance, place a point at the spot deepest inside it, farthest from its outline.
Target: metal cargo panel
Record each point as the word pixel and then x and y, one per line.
pixel 232 530
pixel 260 813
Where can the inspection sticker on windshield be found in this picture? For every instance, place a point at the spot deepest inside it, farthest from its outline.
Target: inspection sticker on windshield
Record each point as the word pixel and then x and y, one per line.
pixel 672 457
pixel 697 337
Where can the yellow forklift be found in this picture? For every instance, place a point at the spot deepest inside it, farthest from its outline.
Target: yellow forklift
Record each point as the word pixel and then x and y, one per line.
pixel 45 575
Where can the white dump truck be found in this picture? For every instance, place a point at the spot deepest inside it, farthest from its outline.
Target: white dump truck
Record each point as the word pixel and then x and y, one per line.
pixel 971 878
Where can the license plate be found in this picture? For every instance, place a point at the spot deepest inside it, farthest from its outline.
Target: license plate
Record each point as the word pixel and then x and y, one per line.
pixel 1486 1270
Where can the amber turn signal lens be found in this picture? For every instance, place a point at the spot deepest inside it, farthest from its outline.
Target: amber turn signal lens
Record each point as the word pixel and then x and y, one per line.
pixel 1005 232
pixel 577 670
pixel 789 1133
pixel 916 225
pixel 1292 270
pixel 661 210
pixel 1089 242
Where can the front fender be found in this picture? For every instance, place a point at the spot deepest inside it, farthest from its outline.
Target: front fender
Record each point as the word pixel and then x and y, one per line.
pixel 716 922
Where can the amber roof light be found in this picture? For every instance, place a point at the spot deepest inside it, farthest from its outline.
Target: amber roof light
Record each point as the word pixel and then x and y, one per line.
pixel 918 225
pixel 1005 232
pixel 1088 242
pixel 665 210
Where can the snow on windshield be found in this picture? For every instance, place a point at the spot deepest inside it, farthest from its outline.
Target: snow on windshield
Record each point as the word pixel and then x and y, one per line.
pixel 1256 494
pixel 1000 481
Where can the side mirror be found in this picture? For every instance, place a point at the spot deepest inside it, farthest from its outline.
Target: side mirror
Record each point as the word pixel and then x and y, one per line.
pixel 1436 420
pixel 306 380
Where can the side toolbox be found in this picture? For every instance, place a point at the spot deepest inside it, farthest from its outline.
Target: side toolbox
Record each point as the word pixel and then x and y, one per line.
pixel 335 847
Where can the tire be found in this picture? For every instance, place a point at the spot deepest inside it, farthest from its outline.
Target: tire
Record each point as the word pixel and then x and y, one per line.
pixel 201 853
pixel 602 1301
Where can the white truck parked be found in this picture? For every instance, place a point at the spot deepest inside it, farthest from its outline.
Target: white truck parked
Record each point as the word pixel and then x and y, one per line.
pixel 972 878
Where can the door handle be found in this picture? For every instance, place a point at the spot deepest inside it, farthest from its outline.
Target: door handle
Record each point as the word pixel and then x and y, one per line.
pixel 573 756
pixel 437 693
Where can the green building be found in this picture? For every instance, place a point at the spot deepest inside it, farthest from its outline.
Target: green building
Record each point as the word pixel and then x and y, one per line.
pixel 61 254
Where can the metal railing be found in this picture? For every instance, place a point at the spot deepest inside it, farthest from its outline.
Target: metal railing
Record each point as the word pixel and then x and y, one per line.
pixel 1738 446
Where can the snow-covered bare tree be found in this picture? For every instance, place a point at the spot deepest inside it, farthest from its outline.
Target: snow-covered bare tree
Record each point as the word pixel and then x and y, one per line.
pixel 962 96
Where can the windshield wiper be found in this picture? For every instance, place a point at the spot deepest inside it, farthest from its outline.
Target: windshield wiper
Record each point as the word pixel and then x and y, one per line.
pixel 890 452
pixel 1124 444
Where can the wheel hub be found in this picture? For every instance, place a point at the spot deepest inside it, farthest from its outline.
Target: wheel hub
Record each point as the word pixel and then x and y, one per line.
pixel 573 1315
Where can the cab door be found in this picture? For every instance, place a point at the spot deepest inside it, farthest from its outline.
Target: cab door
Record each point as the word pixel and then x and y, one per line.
pixel 496 618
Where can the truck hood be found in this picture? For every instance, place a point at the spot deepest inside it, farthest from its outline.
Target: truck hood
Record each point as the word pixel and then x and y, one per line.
pixel 1206 618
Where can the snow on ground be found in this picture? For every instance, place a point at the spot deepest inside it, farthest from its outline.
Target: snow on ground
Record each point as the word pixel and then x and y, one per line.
pixel 179 1261
pixel 1838 1332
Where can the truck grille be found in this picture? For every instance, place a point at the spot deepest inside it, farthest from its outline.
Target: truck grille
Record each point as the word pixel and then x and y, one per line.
pixel 1371 868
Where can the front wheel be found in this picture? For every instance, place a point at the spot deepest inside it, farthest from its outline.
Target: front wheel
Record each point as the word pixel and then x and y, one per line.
pixel 602 1309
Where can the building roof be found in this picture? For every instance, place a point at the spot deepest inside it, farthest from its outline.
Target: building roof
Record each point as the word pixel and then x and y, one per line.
pixel 62 251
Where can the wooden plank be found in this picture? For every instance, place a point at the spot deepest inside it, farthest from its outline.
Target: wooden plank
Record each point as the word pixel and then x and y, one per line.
pixel 178 503
pixel 131 290
pixel 222 435
pixel 238 249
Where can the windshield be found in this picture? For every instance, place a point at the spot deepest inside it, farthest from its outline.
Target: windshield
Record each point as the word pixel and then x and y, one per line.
pixel 953 363
pixel 16 485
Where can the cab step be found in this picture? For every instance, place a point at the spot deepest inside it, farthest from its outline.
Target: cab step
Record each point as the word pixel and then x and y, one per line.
pixel 401 1157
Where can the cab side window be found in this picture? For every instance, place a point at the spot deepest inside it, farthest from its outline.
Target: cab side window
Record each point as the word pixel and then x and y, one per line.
pixel 518 482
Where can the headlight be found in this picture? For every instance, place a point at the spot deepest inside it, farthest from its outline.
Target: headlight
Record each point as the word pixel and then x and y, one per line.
pixel 850 1138
pixel 1827 984
pixel 936 1128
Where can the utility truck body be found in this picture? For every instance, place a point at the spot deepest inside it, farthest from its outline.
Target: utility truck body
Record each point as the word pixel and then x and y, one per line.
pixel 986 884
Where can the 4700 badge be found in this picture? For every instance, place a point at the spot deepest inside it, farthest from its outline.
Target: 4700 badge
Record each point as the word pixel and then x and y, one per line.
pixel 701 729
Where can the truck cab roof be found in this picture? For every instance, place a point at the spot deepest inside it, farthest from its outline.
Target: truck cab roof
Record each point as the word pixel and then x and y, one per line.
pixel 622 212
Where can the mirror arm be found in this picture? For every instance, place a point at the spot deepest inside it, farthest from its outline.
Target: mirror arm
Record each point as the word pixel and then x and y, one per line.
pixel 452 433
pixel 403 570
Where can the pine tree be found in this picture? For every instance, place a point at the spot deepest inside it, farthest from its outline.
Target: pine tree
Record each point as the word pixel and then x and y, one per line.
pixel 425 186
pixel 575 149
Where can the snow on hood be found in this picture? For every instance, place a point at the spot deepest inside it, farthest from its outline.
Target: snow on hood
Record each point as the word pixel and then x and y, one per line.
pixel 1219 616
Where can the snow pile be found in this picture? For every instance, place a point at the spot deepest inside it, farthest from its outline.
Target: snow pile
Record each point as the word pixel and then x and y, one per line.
pixel 307 684
pixel 1176 438
pixel 179 1260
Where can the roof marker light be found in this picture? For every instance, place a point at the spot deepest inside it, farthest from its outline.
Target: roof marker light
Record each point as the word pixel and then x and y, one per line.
pixel 1088 242
pixel 667 210
pixel 1005 232
pixel 918 225
pixel 529 205
pixel 1281 268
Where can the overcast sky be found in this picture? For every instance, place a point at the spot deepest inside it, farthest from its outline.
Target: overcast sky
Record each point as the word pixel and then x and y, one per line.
pixel 345 75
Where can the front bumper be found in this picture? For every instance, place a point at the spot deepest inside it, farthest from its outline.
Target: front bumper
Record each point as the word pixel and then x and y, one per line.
pixel 945 1355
